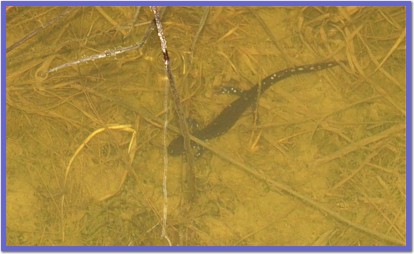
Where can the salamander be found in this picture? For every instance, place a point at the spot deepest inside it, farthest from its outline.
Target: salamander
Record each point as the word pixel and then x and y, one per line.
pixel 231 113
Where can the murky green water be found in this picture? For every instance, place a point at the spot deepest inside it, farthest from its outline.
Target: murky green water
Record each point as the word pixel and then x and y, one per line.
pixel 319 160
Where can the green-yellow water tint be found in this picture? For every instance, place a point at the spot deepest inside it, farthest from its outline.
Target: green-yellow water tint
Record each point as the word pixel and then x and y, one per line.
pixel 336 137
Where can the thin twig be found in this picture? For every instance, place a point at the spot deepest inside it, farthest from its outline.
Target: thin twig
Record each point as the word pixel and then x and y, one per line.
pixel 165 173
pixel 189 186
pixel 111 52
pixel 40 29
pixel 190 177
pixel 361 143
pixel 110 20
pixel 270 34
pixel 134 20
pixel 206 12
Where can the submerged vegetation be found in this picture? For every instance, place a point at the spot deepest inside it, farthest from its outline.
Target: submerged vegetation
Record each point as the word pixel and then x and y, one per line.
pixel 319 160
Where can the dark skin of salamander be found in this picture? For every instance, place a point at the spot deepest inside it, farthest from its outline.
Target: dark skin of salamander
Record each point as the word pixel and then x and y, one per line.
pixel 230 114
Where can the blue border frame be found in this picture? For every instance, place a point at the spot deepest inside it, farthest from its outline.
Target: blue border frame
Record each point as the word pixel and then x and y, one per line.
pixel 207 3
pixel 406 248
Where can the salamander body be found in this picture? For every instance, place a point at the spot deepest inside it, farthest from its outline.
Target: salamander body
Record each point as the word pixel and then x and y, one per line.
pixel 230 114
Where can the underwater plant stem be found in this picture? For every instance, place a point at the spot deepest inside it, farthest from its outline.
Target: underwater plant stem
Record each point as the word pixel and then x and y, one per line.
pixel 40 29
pixel 190 177
pixel 109 52
pixel 189 186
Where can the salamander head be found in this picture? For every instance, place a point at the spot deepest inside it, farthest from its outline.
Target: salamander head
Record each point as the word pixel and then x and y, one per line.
pixel 176 147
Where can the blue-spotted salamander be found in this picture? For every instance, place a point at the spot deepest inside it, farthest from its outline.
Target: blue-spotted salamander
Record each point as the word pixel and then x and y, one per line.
pixel 230 114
